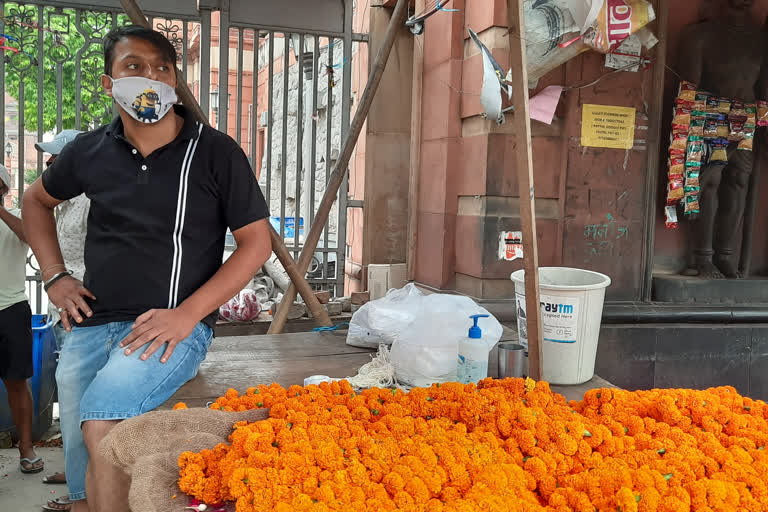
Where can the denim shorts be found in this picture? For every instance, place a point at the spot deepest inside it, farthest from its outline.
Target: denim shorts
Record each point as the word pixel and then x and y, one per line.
pixel 97 381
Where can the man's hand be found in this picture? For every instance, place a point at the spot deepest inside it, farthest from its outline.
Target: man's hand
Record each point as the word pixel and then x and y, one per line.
pixel 67 295
pixel 158 326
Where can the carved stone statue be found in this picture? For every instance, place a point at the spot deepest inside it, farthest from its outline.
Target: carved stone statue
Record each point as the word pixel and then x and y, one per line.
pixel 724 57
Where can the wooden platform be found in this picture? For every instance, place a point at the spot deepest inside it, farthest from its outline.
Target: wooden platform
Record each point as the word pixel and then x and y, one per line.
pixel 240 362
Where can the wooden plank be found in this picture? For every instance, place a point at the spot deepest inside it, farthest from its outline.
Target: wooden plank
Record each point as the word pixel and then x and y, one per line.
pixel 415 157
pixel 522 123
pixel 261 326
pixel 656 108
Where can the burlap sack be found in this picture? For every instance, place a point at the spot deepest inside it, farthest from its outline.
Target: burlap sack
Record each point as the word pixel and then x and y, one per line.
pixel 147 448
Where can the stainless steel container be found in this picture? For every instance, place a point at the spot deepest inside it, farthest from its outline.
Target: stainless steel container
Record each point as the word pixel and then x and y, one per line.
pixel 512 361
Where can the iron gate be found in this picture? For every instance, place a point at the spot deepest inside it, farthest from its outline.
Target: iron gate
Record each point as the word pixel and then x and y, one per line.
pixel 285 98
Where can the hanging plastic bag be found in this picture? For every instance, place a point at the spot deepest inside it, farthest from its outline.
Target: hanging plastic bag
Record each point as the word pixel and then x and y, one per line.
pixel 615 21
pixel 380 320
pixel 243 307
pixel 426 350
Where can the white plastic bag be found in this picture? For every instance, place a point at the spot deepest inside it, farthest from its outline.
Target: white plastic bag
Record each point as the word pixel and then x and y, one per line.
pixel 380 320
pixel 243 307
pixel 424 331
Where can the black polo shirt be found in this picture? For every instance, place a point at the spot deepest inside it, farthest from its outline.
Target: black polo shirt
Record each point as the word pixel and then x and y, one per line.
pixel 156 225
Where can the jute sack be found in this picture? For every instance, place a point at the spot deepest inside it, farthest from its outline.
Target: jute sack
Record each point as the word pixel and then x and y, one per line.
pixel 147 448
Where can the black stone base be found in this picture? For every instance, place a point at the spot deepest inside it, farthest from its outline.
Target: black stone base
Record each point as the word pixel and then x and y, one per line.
pixel 698 356
pixel 694 290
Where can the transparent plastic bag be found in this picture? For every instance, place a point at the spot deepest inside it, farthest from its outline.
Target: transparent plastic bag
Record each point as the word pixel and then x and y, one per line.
pixel 426 351
pixel 379 321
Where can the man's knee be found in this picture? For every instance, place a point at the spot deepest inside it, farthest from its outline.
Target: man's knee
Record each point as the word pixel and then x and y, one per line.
pixel 94 431
pixel 15 385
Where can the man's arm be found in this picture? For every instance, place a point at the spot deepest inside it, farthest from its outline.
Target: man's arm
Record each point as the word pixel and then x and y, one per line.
pixel 68 292
pixel 13 222
pixel 171 326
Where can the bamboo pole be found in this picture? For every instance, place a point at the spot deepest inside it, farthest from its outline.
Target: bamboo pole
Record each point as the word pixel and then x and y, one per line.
pixel 340 169
pixel 188 99
pixel 415 157
pixel 524 165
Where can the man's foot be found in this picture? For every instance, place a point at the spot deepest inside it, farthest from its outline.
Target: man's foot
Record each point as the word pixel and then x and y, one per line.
pixel 708 270
pixel 59 504
pixel 726 266
pixel 29 465
pixel 56 478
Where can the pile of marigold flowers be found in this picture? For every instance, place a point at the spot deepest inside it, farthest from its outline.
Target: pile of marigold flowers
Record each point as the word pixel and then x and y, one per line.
pixel 504 445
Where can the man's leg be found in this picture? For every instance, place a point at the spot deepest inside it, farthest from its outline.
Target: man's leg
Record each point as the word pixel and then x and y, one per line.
pixel 124 388
pixel 15 368
pixel 83 352
pixel 106 485
pixel 22 408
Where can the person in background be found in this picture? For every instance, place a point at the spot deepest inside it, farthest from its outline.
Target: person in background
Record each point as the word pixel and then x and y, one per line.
pixel 16 327
pixel 71 225
pixel 163 192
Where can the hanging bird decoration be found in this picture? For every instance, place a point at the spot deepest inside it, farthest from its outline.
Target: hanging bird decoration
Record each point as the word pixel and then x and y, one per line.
pixel 494 82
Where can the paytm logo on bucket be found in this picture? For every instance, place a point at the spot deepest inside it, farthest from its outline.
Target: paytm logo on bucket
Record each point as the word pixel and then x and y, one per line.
pixel 565 309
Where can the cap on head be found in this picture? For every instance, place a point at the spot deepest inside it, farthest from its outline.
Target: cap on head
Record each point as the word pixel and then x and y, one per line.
pixel 58 143
pixel 5 176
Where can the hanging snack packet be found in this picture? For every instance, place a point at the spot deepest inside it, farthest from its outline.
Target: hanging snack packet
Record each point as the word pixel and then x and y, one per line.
pixel 692 204
pixel 676 167
pixel 695 149
pixel 670 212
pixel 678 144
pixel 687 91
pixel 751 109
pixel 675 190
pixel 719 151
pixel 682 118
pixel 762 113
pixel 616 21
pixel 748 142
pixel 724 105
pixel 713 105
pixel 738 111
pixel 710 127
pixel 736 132
pixel 723 128
pixel 701 101
pixel 692 183
pixel 697 127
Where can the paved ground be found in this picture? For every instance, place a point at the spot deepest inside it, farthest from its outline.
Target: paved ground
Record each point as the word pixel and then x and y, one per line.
pixel 27 493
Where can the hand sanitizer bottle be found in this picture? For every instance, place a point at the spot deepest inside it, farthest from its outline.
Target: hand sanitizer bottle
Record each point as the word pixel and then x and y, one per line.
pixel 473 355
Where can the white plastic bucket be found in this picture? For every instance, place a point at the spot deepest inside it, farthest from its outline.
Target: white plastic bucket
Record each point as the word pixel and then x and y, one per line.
pixel 571 313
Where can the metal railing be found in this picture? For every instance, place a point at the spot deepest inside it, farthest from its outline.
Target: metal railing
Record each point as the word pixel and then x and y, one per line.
pixel 290 109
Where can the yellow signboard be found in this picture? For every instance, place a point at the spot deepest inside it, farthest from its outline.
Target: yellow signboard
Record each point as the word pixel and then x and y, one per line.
pixel 606 126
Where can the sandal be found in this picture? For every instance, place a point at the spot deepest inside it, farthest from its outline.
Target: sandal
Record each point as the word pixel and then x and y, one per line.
pixel 56 478
pixel 61 504
pixel 32 463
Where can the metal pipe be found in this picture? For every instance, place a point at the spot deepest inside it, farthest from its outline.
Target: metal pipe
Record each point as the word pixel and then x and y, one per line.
pixel 284 140
pixel 255 102
pixel 223 107
pixel 239 109
pixel 270 112
pixel 298 53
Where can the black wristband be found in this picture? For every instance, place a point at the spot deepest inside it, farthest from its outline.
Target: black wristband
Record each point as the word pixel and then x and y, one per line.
pixel 55 278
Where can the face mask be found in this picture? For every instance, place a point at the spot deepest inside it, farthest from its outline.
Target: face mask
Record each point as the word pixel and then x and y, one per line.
pixel 145 100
